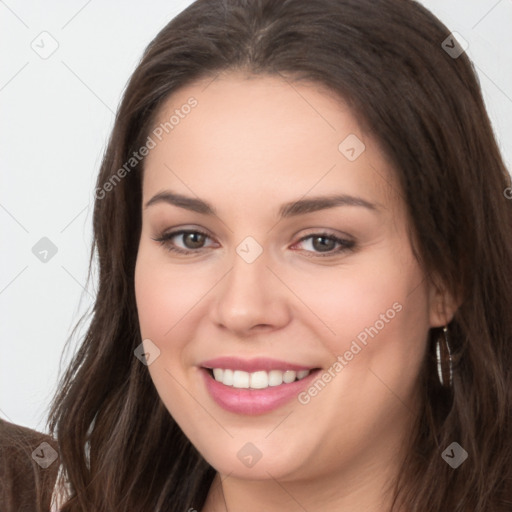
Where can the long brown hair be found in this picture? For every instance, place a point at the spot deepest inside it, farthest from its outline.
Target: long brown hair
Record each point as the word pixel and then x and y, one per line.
pixel 119 446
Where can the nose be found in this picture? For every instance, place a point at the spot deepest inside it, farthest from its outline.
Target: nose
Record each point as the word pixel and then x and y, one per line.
pixel 251 299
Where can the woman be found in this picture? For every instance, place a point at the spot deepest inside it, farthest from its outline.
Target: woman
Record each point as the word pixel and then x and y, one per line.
pixel 305 264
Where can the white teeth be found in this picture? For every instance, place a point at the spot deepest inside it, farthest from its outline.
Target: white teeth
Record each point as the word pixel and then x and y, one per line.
pixel 257 380
pixel 240 379
pixel 275 378
pixel 302 373
pixel 227 377
pixel 289 376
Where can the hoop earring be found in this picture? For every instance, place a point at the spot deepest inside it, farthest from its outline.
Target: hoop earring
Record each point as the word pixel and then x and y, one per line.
pixel 444 354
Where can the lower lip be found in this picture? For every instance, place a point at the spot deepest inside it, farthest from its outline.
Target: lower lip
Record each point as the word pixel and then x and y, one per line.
pixel 254 401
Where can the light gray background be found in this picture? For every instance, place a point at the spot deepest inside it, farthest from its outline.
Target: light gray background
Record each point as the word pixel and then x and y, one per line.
pixel 56 115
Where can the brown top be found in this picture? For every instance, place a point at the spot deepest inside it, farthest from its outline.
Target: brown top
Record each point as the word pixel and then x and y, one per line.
pixel 28 469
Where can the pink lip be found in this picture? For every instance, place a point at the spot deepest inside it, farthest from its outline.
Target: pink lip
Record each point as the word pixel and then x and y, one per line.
pixel 252 402
pixel 252 365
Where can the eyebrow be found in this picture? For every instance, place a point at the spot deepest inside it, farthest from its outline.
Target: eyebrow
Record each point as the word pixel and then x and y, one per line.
pixel 291 209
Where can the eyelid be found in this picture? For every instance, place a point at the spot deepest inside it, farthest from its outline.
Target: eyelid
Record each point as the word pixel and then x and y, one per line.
pixel 345 244
pixel 165 237
pixel 171 232
pixel 327 233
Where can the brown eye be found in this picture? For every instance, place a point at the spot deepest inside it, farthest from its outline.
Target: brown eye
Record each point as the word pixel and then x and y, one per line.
pixel 193 239
pixel 183 241
pixel 323 243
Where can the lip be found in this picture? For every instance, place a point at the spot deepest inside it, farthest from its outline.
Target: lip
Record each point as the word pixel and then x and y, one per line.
pixel 253 402
pixel 252 365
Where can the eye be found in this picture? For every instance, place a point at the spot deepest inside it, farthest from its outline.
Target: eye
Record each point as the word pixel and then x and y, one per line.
pixel 326 244
pixel 193 240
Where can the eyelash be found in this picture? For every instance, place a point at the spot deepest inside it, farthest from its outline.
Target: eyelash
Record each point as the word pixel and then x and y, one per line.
pixel 165 238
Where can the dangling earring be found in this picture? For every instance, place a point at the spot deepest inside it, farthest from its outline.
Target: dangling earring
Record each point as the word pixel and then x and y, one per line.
pixel 444 354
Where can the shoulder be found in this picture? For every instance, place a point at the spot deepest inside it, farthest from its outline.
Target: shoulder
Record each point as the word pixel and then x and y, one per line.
pixel 28 468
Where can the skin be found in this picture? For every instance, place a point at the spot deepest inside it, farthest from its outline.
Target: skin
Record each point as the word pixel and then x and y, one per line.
pixel 251 144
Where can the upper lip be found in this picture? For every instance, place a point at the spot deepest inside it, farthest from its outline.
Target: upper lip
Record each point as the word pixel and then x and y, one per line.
pixel 252 365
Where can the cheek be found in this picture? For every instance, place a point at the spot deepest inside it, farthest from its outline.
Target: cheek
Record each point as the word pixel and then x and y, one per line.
pixel 349 298
pixel 154 302
pixel 165 301
pixel 165 295
pixel 376 317
pixel 171 302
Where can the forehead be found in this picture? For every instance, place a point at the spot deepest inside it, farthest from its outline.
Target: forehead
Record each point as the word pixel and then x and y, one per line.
pixel 250 136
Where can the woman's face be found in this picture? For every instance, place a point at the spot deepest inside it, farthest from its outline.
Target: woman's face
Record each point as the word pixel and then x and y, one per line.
pixel 296 259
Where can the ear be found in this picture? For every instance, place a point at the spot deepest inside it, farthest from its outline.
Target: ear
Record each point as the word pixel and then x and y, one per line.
pixel 442 306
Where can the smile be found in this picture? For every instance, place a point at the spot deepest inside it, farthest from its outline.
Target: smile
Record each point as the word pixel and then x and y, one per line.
pixel 255 386
pixel 257 380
